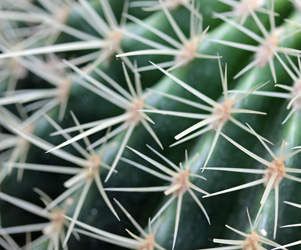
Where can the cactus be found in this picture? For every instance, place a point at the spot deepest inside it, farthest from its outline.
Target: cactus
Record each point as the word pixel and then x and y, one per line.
pixel 169 124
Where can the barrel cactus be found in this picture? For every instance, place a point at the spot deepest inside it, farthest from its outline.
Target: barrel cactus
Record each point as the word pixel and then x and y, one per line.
pixel 169 124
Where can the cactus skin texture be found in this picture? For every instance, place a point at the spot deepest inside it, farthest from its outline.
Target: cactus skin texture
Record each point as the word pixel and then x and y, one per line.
pixel 150 124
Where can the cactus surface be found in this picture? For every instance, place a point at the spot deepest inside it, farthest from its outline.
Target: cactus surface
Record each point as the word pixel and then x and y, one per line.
pixel 169 124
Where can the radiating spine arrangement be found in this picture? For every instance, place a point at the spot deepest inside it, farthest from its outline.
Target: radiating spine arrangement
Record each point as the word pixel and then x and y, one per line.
pixel 150 124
